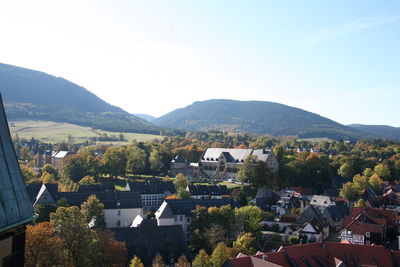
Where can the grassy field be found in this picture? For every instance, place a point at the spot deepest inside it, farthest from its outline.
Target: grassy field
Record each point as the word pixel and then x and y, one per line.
pixel 53 132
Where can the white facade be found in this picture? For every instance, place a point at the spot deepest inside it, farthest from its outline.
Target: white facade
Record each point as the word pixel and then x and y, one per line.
pixel 352 238
pixel 152 201
pixel 121 217
pixel 164 217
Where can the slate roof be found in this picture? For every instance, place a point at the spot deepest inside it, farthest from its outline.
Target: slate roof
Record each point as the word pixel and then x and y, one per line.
pixel 15 205
pixel 309 213
pixel 185 206
pixel 211 190
pixel 145 242
pixel 111 199
pixel 179 159
pixel 149 188
pixel 96 187
pixel 338 212
pixel 33 190
pixel 238 155
pixel 325 254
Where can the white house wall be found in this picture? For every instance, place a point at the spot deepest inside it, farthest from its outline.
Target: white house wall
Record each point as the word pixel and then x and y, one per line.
pixel 125 217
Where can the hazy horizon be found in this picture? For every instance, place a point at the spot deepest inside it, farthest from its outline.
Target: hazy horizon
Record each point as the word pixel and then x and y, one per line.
pixel 337 59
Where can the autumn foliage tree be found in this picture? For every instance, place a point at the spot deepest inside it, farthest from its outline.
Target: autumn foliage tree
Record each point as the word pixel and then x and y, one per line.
pixel 43 246
pixel 110 251
pixel 136 262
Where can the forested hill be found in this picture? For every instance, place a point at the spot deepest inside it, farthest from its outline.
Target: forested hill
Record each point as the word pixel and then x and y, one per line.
pixel 30 94
pixel 381 130
pixel 256 117
pixel 146 117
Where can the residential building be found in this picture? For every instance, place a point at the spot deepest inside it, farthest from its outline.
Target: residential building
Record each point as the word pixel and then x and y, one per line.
pixel 314 224
pixel 370 226
pixel 179 165
pixel 179 211
pixel 15 207
pixel 120 207
pixel 207 191
pixel 58 158
pixel 288 201
pixel 312 231
pixel 266 199
pixel 152 193
pixel 322 201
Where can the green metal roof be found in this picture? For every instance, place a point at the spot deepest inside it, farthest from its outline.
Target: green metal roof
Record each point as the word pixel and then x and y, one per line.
pixel 15 207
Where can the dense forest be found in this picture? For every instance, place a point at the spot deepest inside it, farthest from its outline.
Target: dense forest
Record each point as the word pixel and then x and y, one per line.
pixel 256 117
pixel 379 130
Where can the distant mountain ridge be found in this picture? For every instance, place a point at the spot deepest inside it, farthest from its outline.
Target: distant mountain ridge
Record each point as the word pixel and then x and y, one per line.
pixel 30 94
pixel 380 130
pixel 146 117
pixel 258 117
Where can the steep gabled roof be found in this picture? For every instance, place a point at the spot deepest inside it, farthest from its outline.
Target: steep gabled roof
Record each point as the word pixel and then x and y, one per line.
pixel 15 206
pixel 309 213
pixel 179 159
pixel 146 242
pixel 238 155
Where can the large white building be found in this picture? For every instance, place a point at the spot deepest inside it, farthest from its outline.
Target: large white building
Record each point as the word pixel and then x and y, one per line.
pixel 120 207
pixel 224 163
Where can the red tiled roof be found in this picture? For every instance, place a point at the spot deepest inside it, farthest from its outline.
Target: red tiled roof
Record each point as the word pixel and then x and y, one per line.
pixel 360 228
pixel 289 218
pixel 301 190
pixel 326 254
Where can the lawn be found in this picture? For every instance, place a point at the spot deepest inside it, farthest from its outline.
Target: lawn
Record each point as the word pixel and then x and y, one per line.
pixel 54 132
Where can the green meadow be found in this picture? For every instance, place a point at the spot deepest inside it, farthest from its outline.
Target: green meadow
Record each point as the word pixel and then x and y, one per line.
pixel 53 132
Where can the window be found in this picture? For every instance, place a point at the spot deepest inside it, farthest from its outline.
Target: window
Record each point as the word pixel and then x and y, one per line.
pixel 188 219
pixel 367 234
pixel 367 243
pixel 119 213
pixel 181 218
pixel 118 223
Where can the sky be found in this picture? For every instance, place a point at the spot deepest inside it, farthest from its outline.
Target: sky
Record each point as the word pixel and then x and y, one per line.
pixel 339 59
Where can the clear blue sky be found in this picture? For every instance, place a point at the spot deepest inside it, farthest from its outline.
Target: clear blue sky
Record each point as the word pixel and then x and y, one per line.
pixel 339 59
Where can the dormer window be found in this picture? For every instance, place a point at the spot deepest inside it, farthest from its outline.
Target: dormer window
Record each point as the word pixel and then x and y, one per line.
pixel 118 203
pixel 367 234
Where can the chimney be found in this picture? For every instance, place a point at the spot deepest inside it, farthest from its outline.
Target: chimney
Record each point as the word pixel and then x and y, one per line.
pixel 264 257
